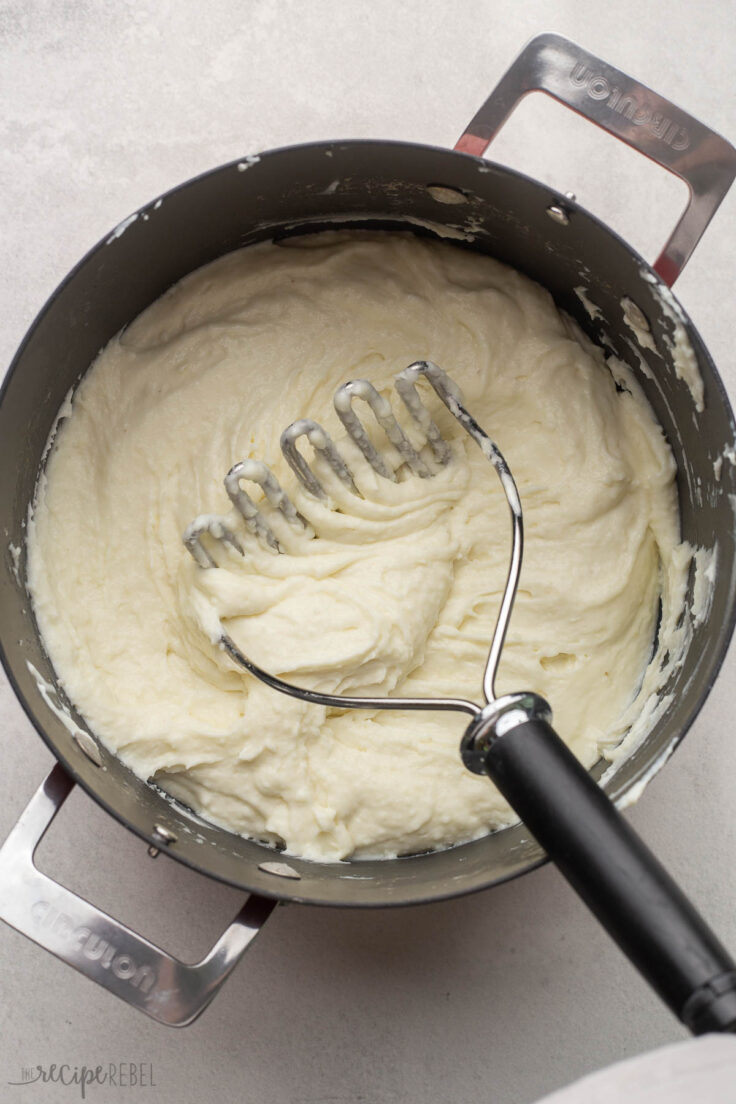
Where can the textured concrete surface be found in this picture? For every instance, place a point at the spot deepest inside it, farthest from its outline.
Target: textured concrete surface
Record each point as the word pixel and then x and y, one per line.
pixel 500 997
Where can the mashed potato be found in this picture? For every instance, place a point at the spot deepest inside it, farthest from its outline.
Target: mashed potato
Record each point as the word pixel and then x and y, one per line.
pixel 399 590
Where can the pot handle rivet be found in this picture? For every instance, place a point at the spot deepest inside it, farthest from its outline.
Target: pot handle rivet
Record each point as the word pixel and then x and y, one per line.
pixel 558 214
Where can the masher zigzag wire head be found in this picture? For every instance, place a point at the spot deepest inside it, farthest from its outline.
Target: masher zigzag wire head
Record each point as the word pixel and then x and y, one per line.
pixel 254 471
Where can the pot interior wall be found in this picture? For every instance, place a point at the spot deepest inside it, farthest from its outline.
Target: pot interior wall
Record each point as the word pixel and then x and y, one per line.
pixel 392 185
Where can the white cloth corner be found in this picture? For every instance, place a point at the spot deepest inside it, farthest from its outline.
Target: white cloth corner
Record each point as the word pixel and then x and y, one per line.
pixel 699 1071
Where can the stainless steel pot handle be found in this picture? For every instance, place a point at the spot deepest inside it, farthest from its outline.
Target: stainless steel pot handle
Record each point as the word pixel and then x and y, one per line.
pixel 108 952
pixel 630 111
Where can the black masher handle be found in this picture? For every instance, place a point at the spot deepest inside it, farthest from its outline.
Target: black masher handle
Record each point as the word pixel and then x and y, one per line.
pixel 616 874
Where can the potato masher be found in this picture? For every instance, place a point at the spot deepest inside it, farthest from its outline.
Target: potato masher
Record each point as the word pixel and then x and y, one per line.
pixel 510 737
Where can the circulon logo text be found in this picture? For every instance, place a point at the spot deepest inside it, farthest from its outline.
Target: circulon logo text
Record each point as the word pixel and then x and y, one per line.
pixel 623 103
pixel 93 947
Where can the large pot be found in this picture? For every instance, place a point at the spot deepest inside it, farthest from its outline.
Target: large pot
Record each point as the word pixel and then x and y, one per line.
pixel 391 185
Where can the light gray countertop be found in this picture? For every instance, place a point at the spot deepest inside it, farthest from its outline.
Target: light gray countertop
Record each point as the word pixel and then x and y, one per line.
pixel 498 997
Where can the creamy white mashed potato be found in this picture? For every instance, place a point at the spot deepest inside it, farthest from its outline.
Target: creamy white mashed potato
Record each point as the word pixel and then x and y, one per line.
pixel 399 590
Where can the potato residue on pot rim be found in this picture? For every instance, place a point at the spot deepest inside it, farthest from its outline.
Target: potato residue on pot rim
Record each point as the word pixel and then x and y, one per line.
pixel 400 590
